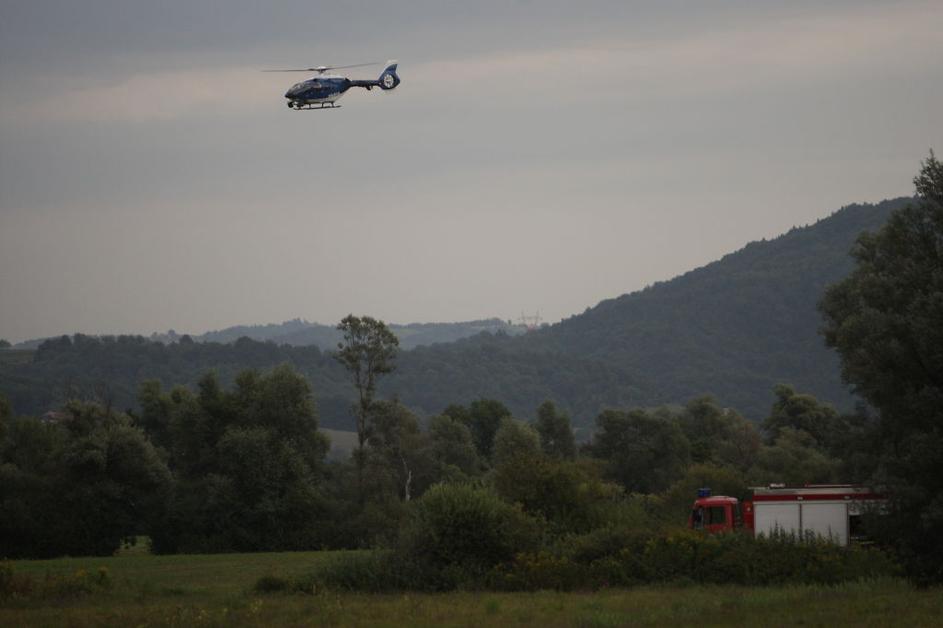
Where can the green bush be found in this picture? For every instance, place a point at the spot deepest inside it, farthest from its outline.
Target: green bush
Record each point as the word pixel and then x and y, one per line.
pixel 538 570
pixel 765 560
pixel 571 497
pixel 603 543
pixel 366 571
pixel 13 584
pixel 457 526
pixel 455 536
pixel 271 584
pixel 53 586
pixel 618 557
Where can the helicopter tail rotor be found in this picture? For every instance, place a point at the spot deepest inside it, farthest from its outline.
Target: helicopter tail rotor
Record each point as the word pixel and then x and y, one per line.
pixel 389 79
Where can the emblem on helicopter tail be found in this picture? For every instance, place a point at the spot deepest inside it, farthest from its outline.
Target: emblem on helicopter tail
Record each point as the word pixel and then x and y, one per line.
pixel 388 80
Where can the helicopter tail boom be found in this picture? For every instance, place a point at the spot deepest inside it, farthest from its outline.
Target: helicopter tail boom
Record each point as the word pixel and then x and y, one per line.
pixel 388 79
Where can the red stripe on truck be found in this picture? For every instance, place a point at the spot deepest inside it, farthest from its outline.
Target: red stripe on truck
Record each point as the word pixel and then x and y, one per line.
pixel 818 497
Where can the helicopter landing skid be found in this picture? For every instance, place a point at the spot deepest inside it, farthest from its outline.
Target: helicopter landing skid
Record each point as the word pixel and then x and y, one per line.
pixel 313 108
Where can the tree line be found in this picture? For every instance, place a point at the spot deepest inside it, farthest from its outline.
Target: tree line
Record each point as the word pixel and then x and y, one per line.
pixel 212 469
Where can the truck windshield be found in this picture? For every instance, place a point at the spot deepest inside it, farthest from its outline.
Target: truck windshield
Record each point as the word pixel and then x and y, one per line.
pixel 716 514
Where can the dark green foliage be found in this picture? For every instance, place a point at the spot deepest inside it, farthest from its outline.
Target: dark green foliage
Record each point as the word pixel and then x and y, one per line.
pixel 570 496
pixel 626 559
pixel 795 459
pixel 885 322
pixel 885 318
pixel 400 458
pixel 31 474
pixel 271 584
pixel 453 448
pixel 378 571
pixel 21 587
pixel 6 413
pixel 613 557
pixel 78 485
pixel 498 367
pixel 248 464
pixel 483 418
pixel 84 367
pixel 556 433
pixel 804 412
pixel 776 560
pixel 4 343
pixel 458 526
pixel 366 350
pixel 454 535
pixel 719 435
pixel 514 440
pixel 643 451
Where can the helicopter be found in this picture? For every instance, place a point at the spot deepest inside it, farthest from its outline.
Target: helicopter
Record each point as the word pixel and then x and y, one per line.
pixel 322 90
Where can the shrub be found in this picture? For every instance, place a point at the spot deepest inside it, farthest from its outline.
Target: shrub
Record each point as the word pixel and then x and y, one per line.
pixel 618 557
pixel 568 495
pixel 367 571
pixel 603 543
pixel 538 570
pixel 468 528
pixel 455 536
pixel 764 560
pixel 271 584
pixel 80 582
pixel 13 584
pixel 53 586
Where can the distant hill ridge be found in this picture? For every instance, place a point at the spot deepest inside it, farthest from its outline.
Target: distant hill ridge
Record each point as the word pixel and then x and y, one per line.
pixel 733 328
pixel 300 333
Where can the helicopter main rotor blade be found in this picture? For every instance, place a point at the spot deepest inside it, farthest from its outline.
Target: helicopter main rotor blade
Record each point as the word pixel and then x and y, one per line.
pixel 356 65
pixel 325 68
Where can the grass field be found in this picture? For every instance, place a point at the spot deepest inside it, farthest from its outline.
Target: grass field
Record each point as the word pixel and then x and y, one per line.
pixel 342 443
pixel 216 590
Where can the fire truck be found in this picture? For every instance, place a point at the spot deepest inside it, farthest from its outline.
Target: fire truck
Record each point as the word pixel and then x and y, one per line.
pixel 831 511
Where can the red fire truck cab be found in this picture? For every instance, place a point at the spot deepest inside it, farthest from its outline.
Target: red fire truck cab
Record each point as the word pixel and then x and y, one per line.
pixel 832 511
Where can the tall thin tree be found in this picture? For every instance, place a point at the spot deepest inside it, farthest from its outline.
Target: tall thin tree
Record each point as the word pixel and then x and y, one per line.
pixel 367 352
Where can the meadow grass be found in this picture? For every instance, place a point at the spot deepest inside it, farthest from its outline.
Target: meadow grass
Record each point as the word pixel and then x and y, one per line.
pixel 217 590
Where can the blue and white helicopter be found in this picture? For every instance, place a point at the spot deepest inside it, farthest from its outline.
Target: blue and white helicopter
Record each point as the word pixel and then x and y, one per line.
pixel 322 90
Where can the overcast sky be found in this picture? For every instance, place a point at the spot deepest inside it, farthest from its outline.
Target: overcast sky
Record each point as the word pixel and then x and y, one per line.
pixel 537 155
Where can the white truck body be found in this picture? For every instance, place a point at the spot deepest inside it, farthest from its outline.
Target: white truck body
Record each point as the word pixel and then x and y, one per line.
pixel 827 511
pixel 828 520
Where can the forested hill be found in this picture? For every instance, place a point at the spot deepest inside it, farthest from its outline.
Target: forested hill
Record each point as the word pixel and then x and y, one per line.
pixel 733 328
